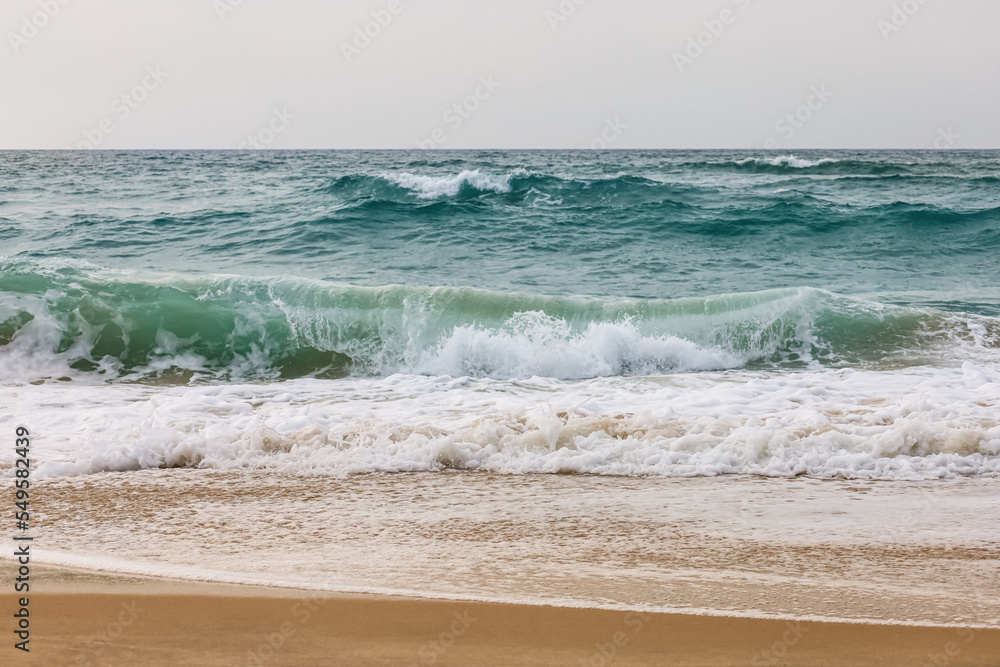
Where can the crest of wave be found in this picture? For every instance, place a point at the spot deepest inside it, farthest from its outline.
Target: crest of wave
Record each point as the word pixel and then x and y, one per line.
pixel 433 187
pixel 786 161
pixel 535 344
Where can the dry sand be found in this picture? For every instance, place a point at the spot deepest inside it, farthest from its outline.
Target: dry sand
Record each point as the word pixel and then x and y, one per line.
pixel 81 618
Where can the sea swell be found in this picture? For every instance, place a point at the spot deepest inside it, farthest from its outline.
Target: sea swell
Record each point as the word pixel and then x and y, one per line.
pixel 651 224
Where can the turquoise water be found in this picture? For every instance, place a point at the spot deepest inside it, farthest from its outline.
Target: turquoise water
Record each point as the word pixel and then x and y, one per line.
pixel 828 314
pixel 575 358
pixel 289 264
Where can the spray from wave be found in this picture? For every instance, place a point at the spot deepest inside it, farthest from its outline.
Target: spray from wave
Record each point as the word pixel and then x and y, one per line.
pixel 433 187
pixel 786 161
pixel 77 323
pixel 792 165
pixel 833 424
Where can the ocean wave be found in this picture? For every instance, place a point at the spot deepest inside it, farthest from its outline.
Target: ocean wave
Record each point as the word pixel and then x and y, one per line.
pixel 673 202
pixel 535 344
pixel 791 164
pixel 77 323
pixel 433 187
pixel 786 161
pixel 515 186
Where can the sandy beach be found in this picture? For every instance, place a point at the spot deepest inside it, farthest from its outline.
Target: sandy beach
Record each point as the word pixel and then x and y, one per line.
pixel 552 334
pixel 81 618
pixel 121 588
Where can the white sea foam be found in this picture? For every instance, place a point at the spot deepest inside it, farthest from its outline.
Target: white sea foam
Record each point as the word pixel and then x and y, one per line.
pixel 787 161
pixel 433 187
pixel 535 344
pixel 415 336
pixel 225 328
pixel 918 424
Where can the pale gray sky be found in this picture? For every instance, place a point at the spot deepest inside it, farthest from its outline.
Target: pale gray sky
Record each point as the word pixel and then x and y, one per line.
pixel 548 73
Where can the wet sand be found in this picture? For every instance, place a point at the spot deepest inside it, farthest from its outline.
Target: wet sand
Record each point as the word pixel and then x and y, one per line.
pixel 81 618
pixel 913 553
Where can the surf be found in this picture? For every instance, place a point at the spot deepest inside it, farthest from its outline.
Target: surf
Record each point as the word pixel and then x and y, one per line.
pixel 79 323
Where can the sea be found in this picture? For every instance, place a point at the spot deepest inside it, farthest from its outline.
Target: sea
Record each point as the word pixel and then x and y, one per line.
pixel 717 382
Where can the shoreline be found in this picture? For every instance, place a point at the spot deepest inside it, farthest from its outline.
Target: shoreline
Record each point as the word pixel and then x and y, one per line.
pixel 75 579
pixel 81 617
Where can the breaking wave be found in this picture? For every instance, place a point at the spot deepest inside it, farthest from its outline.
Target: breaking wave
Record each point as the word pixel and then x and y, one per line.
pixel 78 323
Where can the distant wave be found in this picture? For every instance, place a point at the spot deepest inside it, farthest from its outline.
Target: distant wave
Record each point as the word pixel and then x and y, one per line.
pixel 789 164
pixel 521 186
pixel 410 191
pixel 89 323
pixel 431 187
pixel 786 161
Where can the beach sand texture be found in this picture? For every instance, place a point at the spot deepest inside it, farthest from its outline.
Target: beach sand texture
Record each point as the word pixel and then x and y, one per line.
pixel 162 622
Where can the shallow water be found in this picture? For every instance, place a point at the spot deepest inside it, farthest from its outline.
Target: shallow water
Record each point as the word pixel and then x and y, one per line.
pixel 917 553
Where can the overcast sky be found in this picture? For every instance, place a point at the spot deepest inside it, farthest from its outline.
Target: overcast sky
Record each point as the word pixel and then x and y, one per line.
pixel 523 73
